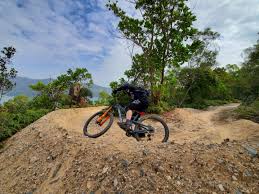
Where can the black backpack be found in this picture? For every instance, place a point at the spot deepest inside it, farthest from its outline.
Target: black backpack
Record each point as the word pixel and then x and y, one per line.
pixel 144 91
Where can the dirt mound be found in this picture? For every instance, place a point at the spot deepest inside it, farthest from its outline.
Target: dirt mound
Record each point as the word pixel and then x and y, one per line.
pixel 185 119
pixel 52 156
pixel 210 126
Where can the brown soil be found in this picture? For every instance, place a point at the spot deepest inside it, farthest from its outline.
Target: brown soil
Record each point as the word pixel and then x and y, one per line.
pixel 207 153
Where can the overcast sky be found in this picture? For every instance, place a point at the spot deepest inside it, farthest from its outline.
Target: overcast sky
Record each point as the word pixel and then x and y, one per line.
pixel 53 35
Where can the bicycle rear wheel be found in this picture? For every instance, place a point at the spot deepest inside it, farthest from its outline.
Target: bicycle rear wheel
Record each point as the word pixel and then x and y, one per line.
pixel 94 129
pixel 159 129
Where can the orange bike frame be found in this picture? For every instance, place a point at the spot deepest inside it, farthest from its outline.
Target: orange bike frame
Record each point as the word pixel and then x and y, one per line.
pixel 103 115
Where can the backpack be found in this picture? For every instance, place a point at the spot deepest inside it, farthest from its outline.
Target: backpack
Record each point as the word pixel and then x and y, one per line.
pixel 144 91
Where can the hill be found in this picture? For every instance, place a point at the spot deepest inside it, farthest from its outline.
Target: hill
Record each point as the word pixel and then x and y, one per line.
pixel 22 87
pixel 206 153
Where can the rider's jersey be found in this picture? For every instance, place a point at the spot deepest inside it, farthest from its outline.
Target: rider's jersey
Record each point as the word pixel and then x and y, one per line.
pixel 135 93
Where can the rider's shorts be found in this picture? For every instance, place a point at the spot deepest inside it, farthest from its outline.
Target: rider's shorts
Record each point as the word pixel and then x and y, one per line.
pixel 138 105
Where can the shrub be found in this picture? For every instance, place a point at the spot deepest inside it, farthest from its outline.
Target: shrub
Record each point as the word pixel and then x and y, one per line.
pixel 250 112
pixel 10 123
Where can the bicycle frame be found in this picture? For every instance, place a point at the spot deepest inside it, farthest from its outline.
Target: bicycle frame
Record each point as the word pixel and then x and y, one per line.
pixel 119 108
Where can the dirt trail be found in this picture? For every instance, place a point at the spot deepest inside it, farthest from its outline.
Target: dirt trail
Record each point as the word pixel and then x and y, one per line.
pixel 210 126
pixel 52 156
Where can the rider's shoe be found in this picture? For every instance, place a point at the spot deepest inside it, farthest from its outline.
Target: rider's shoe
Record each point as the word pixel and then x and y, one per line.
pixel 125 125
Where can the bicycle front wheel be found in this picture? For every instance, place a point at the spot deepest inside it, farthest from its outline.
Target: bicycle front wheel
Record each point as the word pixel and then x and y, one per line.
pixel 159 131
pixel 98 124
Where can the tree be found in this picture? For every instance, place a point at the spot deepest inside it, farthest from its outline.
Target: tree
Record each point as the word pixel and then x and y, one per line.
pixel 80 75
pixel 104 98
pixel 205 56
pixel 207 51
pixel 6 74
pixel 81 80
pixel 51 94
pixel 208 86
pixel 249 73
pixel 163 32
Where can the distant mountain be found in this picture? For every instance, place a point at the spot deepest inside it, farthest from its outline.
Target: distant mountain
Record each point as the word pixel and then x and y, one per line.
pixel 22 86
pixel 23 83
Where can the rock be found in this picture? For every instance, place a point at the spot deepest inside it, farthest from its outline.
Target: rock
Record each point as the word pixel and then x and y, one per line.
pixel 110 159
pixel 142 172
pixel 89 184
pixel 160 169
pixel 115 182
pixel 246 173
pixel 234 178
pixel 56 170
pixel 168 178
pixel 221 188
pixel 157 168
pixel 40 135
pixel 145 152
pixel 226 140
pixel 251 151
pixel 178 182
pixel 105 169
pixel 238 192
pixel 50 157
pixel 220 161
pixel 125 163
pixel 34 159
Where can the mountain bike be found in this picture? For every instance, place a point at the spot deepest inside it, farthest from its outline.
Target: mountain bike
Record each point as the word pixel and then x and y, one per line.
pixel 149 127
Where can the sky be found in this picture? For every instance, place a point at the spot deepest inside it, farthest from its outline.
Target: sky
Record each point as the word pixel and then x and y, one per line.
pixel 51 36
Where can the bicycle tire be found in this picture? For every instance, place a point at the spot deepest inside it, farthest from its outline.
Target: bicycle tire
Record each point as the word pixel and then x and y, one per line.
pixel 103 131
pixel 159 119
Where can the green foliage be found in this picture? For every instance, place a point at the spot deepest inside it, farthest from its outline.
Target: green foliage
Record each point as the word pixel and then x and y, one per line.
pixel 80 75
pixel 10 123
pixel 164 33
pixel 249 72
pixel 250 111
pixel 18 104
pixel 159 108
pixel 85 92
pixel 6 74
pixel 54 94
pixel 104 98
pixel 17 114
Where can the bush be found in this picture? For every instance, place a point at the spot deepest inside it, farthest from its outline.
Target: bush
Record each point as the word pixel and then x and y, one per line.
pixel 17 104
pixel 161 107
pixel 250 112
pixel 10 123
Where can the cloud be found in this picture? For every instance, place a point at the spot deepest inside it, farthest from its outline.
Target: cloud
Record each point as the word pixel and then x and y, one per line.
pixel 237 22
pixel 51 36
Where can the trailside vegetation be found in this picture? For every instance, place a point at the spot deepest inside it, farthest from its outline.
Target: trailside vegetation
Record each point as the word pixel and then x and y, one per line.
pixel 19 112
pixel 178 63
pixel 7 74
pixel 56 93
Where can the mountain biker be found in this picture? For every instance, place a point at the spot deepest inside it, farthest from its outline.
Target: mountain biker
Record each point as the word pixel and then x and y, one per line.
pixel 139 102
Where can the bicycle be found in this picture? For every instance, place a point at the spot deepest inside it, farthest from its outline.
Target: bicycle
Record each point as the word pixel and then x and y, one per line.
pixel 142 126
